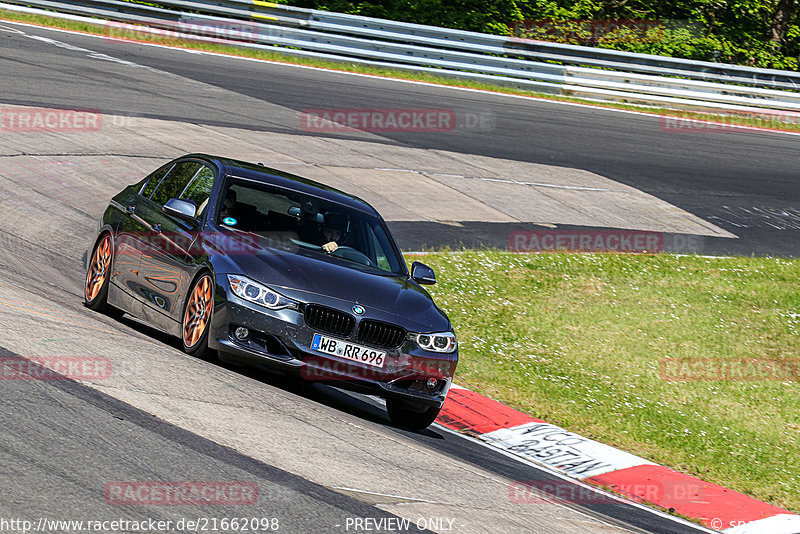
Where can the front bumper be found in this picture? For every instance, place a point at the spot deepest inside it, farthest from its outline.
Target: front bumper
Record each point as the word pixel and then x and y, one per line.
pixel 281 339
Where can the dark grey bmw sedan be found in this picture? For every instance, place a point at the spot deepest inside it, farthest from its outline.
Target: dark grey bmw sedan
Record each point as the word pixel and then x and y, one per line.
pixel 266 268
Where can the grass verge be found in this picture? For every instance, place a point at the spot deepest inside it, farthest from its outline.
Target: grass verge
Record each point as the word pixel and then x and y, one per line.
pixel 780 122
pixel 578 340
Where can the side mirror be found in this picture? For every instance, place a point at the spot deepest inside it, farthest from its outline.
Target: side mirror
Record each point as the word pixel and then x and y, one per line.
pixel 422 274
pixel 182 209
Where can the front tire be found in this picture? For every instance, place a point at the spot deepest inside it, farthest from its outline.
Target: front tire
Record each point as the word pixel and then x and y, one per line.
pixel 411 416
pixel 197 317
pixel 98 275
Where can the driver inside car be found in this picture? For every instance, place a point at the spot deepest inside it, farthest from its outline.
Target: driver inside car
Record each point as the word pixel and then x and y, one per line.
pixel 333 228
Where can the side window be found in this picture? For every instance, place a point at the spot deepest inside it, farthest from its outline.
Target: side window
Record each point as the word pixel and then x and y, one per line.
pixel 199 189
pixel 384 254
pixel 154 179
pixel 381 257
pixel 175 182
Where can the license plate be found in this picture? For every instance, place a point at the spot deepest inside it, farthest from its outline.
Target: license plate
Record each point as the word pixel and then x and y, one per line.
pixel 348 351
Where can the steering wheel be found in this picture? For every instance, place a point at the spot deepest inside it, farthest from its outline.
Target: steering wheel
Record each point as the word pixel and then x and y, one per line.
pixel 349 253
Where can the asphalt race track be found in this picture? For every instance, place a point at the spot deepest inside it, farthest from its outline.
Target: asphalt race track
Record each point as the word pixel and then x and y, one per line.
pixel 743 182
pixel 319 457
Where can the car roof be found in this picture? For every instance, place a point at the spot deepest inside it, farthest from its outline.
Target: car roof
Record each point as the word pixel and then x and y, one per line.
pixel 267 175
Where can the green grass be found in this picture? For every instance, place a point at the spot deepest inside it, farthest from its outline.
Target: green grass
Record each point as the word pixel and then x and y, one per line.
pixel 576 339
pixel 783 122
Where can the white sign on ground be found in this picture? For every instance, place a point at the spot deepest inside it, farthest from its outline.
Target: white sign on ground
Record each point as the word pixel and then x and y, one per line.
pixel 561 449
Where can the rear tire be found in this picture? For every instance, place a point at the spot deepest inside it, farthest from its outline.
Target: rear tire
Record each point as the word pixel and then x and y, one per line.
pixel 98 275
pixel 411 416
pixel 197 317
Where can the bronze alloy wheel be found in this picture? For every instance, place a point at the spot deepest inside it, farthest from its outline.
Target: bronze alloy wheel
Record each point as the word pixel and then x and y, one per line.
pixel 198 312
pixel 98 271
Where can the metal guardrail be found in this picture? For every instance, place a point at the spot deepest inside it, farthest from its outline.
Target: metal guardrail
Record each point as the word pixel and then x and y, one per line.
pixel 636 78
pixel 436 37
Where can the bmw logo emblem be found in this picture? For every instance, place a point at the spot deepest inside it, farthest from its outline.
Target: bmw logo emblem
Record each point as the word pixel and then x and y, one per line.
pixel 358 310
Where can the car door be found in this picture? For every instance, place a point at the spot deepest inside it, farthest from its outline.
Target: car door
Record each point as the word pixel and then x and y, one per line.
pixel 167 268
pixel 131 235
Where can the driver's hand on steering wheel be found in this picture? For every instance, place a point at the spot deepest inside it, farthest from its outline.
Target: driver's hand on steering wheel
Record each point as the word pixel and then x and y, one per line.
pixel 330 247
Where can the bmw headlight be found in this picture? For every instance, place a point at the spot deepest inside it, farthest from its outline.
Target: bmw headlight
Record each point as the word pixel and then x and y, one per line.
pixel 439 342
pixel 259 294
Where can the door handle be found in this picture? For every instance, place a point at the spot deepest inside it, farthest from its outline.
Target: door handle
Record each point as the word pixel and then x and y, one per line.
pixel 131 209
pixel 157 228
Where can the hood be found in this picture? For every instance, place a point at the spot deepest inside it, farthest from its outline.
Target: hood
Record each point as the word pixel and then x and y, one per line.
pixel 309 276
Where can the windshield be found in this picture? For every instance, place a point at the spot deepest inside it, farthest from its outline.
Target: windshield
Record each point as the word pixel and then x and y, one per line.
pixel 296 221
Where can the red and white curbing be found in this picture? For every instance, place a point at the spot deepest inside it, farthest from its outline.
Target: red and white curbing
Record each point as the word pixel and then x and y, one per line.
pixel 590 461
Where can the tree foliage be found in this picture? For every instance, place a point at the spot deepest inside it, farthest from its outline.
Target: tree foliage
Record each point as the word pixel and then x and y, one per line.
pixel 762 33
